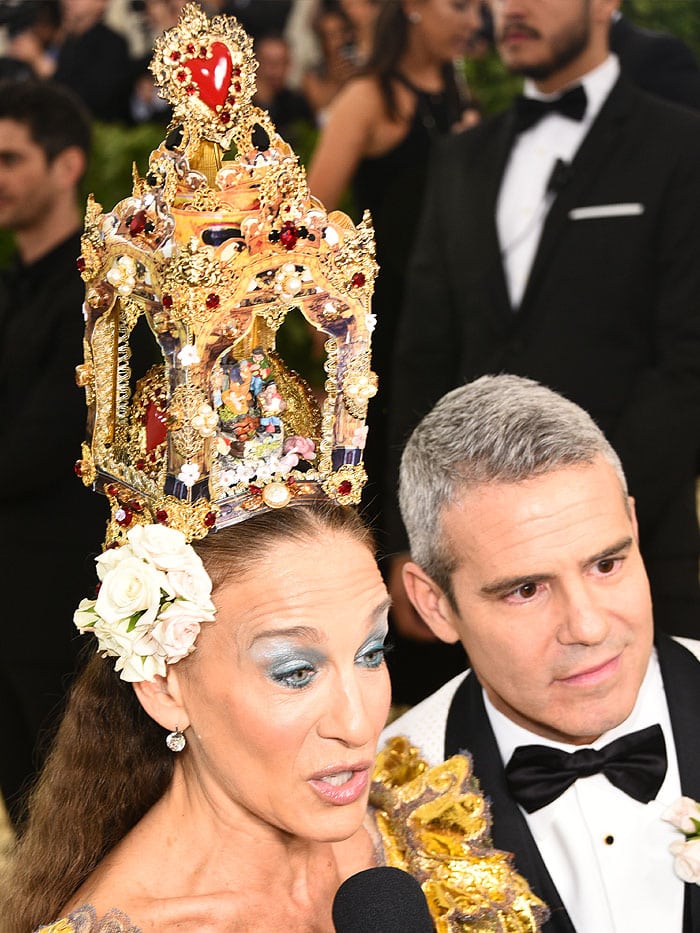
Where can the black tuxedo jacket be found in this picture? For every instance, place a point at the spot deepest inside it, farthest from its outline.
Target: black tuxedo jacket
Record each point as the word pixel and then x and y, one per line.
pixel 656 62
pixel 611 313
pixel 468 729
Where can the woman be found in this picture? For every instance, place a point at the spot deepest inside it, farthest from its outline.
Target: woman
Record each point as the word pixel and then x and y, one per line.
pixel 378 137
pixel 280 707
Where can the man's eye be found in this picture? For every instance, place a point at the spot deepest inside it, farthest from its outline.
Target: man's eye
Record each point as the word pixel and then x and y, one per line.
pixel 526 591
pixel 607 565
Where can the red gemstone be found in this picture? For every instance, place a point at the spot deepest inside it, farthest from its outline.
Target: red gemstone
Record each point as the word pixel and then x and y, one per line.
pixel 137 223
pixel 289 235
pixel 230 99
pixel 123 517
pixel 80 263
pixel 256 490
pixel 78 468
pixel 210 519
pixel 237 72
pixel 140 464
pixel 112 490
pixel 175 56
pixel 237 87
pixel 181 76
pixel 167 302
pixel 211 76
pixel 136 506
pixel 190 47
pixel 162 516
pixel 345 487
pixel 291 480
pixel 191 89
pixel 225 116
pixel 212 301
pixel 203 52
pixel 358 279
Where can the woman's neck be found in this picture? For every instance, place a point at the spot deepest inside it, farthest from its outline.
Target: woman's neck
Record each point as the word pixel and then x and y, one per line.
pixel 420 67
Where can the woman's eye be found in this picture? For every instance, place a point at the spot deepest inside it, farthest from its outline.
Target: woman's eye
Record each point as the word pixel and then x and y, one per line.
pixel 373 657
pixel 298 677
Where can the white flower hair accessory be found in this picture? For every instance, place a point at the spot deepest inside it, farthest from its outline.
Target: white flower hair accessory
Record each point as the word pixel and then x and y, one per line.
pixel 685 816
pixel 154 593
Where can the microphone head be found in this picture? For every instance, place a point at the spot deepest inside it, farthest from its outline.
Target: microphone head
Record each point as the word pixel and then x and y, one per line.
pixel 381 900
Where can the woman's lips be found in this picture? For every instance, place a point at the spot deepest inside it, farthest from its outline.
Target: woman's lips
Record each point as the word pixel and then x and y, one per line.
pixel 341 787
pixel 593 675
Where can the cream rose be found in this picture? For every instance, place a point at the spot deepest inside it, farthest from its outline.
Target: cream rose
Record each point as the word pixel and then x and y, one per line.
pixel 687 860
pixel 131 587
pixel 178 627
pixel 135 669
pixel 682 813
pixel 84 616
pixel 192 583
pixel 165 548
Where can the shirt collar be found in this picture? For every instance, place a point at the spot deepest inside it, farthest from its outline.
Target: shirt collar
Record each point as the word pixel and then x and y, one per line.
pixel 597 83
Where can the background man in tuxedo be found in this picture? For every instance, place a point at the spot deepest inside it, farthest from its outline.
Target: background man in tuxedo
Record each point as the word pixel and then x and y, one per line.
pixel 564 246
pixel 656 62
pixel 524 546
pixel 49 520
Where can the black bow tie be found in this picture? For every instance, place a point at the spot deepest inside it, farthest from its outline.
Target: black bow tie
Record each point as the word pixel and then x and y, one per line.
pixel 528 110
pixel 636 764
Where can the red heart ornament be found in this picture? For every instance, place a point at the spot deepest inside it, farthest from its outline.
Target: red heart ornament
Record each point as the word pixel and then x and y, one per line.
pixel 212 76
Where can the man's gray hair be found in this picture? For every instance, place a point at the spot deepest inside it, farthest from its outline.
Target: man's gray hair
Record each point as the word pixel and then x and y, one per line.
pixel 497 429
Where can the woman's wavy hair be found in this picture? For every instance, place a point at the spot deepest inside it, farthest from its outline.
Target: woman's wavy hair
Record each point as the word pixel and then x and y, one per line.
pixel 390 41
pixel 109 763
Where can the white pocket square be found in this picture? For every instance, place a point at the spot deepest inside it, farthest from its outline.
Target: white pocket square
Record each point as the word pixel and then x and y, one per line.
pixel 606 210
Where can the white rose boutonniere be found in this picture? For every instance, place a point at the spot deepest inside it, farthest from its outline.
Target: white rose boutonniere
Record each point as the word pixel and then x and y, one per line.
pixel 154 593
pixel 685 816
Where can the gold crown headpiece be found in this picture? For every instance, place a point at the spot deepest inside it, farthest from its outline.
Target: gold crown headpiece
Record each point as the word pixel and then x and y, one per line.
pixel 214 248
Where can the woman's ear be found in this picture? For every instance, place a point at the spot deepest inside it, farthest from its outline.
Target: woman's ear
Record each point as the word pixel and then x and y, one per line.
pixel 162 700
pixel 430 602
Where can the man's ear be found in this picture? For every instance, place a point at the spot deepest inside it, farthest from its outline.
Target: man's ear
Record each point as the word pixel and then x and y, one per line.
pixel 162 700
pixel 69 166
pixel 633 517
pixel 430 602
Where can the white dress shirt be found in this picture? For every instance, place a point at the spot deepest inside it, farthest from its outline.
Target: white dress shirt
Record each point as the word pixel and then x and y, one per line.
pixel 523 200
pixel 607 853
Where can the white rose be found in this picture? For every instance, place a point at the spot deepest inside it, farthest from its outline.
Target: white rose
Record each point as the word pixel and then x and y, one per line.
pixel 109 559
pixel 114 640
pixel 165 548
pixel 682 813
pixel 135 668
pixel 178 627
pixel 133 586
pixel 84 616
pixel 687 862
pixel 192 583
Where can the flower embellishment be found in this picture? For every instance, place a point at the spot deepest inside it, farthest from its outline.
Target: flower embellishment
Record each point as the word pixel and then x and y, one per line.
pixel 685 816
pixel 154 594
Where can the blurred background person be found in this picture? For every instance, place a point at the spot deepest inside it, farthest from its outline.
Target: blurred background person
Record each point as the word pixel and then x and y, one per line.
pixel 93 60
pixel 46 516
pixel 362 16
pixel 336 65
pixel 377 140
pixel 288 109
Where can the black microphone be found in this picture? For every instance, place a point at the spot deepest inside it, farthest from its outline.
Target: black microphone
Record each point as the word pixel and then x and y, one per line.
pixel 562 174
pixel 381 900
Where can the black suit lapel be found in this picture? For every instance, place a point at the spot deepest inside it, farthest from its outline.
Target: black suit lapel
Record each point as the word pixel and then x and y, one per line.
pixel 468 729
pixel 585 170
pixel 484 186
pixel 680 670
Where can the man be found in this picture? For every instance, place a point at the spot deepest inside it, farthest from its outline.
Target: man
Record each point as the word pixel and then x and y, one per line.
pixel 525 548
pixel 93 60
pixel 656 62
pixel 49 524
pixel 563 246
